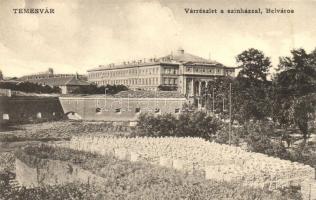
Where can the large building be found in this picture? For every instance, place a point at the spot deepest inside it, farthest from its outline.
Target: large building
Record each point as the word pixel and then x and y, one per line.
pixel 186 72
pixel 66 82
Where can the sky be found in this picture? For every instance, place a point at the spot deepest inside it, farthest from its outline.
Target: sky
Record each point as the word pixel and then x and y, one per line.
pixel 83 34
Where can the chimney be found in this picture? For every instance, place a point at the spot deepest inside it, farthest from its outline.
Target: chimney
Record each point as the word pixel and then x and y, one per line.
pixel 180 51
pixel 77 76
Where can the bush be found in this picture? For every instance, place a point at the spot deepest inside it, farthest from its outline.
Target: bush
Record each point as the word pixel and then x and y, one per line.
pixel 150 125
pixel 222 136
pixel 258 138
pixel 167 88
pixel 29 87
pixel 194 124
pixel 94 89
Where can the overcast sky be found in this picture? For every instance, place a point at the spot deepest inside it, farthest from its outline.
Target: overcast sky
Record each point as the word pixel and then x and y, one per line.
pixel 83 34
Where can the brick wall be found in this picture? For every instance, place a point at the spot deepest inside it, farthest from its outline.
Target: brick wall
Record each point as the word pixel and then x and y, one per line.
pixel 119 109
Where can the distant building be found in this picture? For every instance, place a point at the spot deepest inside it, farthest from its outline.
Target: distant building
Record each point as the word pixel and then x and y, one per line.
pixel 66 82
pixel 186 72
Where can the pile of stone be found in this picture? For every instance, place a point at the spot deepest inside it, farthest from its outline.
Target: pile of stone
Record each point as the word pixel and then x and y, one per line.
pixel 217 161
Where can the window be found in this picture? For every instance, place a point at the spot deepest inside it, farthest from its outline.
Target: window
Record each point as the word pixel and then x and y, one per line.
pixel 171 81
pixel 38 115
pixel 137 110
pixel 166 81
pixel 157 110
pixel 176 81
pixel 5 116
pixel 177 110
pixel 118 110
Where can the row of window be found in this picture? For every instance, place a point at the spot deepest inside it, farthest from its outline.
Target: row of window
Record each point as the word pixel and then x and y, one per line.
pixel 137 110
pixel 203 70
pixel 133 81
pixel 170 81
pixel 124 72
pixel 171 70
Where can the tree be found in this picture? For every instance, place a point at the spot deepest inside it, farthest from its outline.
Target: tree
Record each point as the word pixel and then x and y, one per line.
pixel 295 89
pixel 251 89
pixel 94 89
pixel 29 87
pixel 255 65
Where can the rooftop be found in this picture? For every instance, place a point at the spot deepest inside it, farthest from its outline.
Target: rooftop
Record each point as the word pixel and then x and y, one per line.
pixel 180 57
pixel 60 81
pixel 134 94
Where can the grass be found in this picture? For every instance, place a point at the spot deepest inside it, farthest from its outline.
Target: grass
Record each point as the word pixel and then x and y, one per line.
pixel 58 130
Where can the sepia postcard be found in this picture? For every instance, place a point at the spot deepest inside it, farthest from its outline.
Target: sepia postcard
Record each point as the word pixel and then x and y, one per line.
pixel 157 99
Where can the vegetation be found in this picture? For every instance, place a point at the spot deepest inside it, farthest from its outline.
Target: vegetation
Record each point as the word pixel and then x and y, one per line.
pixel 194 124
pixel 289 99
pixel 29 87
pixel 74 191
pixel 94 89
pixel 126 180
pixel 167 87
pixel 60 130
pixel 295 91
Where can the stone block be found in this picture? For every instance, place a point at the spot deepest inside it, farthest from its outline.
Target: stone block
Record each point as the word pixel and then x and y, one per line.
pixel 165 162
pixel 121 154
pixel 134 157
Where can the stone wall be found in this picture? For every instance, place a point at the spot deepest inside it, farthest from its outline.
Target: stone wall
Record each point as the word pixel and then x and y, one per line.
pixel 118 109
pixel 54 172
pixel 23 109
pixel 195 155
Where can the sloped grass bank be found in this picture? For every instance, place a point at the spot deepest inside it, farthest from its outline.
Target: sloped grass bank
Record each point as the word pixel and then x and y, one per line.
pixel 127 180
pixel 60 130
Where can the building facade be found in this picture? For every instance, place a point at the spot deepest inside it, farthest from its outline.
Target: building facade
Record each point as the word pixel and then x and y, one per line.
pixel 66 82
pixel 186 72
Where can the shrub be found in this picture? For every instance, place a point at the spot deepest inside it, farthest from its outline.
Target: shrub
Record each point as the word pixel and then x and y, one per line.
pixel 167 87
pixel 94 89
pixel 194 124
pixel 258 138
pixel 237 137
pixel 29 87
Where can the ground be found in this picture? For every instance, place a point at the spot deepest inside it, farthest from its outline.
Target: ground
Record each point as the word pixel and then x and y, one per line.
pixel 20 135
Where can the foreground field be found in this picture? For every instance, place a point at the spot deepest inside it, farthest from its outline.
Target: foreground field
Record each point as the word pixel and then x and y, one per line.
pixel 219 162
pixel 132 180
pixel 16 136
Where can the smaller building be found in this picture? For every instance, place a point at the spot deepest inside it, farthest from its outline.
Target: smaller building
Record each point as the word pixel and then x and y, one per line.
pixel 67 84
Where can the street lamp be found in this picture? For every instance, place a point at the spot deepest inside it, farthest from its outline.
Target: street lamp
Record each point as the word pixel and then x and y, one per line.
pixel 230 112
